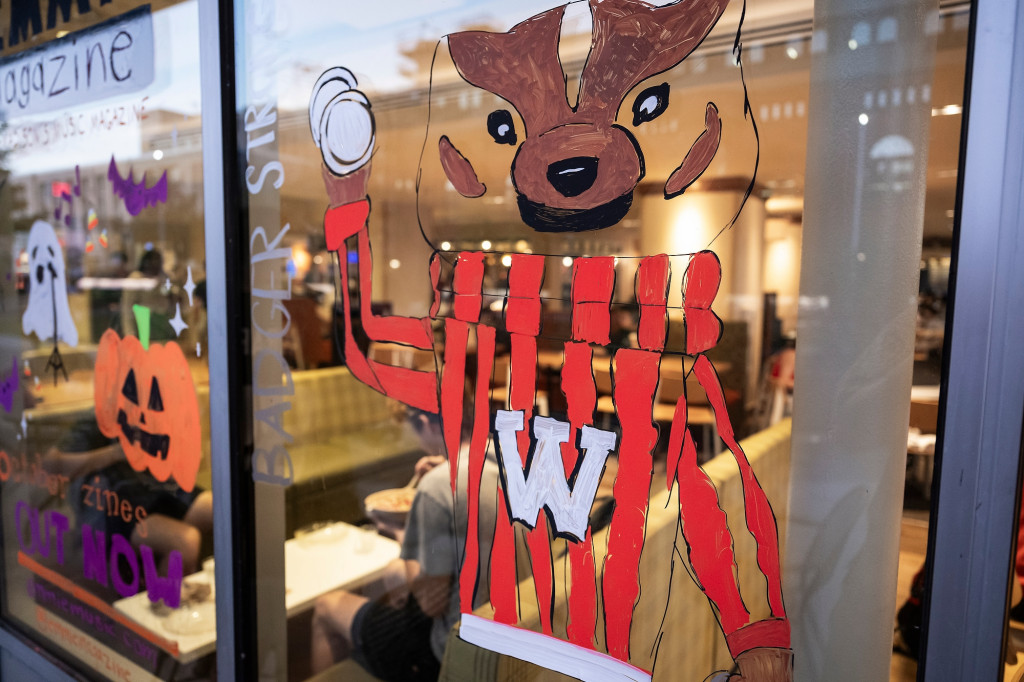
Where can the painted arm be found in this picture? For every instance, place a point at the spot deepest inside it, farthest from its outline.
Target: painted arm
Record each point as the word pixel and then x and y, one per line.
pixel 342 124
pixel 762 646
pixel 773 631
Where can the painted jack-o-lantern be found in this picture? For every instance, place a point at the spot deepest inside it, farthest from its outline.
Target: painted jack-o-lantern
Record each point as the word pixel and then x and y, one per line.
pixel 146 398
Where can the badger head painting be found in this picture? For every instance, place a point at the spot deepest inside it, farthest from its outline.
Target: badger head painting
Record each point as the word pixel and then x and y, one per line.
pixel 571 165
pixel 48 315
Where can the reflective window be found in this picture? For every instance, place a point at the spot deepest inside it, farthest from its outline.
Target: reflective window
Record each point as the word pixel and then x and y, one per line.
pixel 107 509
pixel 530 292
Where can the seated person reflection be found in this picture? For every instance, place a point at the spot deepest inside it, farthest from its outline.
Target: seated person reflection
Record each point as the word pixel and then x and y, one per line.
pixel 401 636
pixel 161 515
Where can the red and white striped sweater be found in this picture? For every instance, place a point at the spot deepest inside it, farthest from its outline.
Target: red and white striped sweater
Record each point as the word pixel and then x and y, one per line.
pixel 635 376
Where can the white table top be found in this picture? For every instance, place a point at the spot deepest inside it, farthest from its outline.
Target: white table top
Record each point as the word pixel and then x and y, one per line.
pixel 338 556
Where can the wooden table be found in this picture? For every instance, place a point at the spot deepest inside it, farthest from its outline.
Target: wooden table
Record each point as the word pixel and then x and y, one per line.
pixel 75 392
pixel 924 408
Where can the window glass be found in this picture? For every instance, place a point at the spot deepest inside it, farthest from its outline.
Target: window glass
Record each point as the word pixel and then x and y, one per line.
pixel 107 517
pixel 929 336
pixel 526 290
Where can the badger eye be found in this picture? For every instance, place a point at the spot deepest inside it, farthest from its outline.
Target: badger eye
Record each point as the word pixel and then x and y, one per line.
pixel 501 127
pixel 650 104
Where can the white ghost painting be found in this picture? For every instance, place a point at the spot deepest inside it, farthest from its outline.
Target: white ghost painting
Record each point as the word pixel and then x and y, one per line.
pixel 48 314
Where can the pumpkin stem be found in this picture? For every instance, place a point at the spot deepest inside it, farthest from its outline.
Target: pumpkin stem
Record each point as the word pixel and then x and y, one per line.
pixel 142 322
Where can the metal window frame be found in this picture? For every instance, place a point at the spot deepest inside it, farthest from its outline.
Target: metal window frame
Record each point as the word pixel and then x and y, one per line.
pixel 34 656
pixel 228 347
pixel 975 508
pixel 976 501
pixel 229 358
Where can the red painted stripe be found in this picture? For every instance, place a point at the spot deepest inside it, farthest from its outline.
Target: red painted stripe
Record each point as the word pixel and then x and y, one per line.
pixel 503 567
pixel 477 453
pixel 522 310
pixel 759 515
pixel 356 362
pixel 652 296
pixel 581 398
pixel 708 540
pixel 702 279
pixel 523 372
pixel 435 283
pixel 593 280
pixel 539 544
pixel 703 330
pixel 522 320
pixel 467 284
pixel 677 434
pixel 411 331
pixel 522 393
pixel 636 378
pixel 341 222
pixel 763 633
pixel 413 387
pixel 583 599
pixel 524 381
pixel 453 381
pixel 700 285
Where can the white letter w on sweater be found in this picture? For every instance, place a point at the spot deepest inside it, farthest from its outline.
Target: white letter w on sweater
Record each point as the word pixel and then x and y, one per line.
pixel 546 484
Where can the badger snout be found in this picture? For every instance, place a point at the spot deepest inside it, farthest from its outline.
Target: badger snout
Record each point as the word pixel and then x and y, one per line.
pixel 577 177
pixel 572 177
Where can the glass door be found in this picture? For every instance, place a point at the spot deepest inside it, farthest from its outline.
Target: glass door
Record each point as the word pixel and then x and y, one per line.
pixel 482 257
pixel 105 475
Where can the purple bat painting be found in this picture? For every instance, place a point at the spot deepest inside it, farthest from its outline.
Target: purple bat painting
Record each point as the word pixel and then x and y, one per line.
pixel 9 386
pixel 136 196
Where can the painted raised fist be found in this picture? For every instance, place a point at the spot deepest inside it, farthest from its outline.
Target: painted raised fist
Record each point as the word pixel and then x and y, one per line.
pixel 764 664
pixel 341 121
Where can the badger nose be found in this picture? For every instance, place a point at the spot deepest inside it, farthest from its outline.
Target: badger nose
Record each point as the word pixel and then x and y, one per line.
pixel 574 176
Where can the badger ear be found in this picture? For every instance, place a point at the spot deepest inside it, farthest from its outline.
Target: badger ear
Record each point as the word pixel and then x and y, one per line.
pixel 459 170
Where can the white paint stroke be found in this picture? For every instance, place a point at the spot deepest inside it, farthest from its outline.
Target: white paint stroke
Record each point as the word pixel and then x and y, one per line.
pixel 548 652
pixel 176 322
pixel 47 314
pixel 190 286
pixel 546 485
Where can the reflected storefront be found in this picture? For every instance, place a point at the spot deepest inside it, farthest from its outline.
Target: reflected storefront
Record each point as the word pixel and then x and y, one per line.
pixel 461 340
